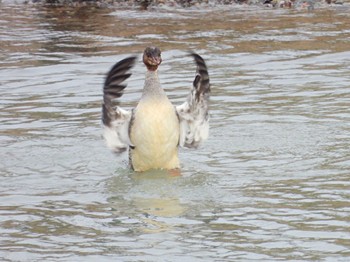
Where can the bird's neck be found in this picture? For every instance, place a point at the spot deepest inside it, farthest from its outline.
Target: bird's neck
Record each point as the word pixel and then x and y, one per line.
pixel 152 86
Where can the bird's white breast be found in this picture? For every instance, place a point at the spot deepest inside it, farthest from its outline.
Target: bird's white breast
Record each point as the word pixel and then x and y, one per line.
pixel 155 135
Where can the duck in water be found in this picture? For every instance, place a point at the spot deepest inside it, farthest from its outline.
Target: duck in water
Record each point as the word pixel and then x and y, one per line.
pixel 155 128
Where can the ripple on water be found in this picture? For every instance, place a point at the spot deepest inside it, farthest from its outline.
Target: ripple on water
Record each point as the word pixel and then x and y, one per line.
pixel 271 182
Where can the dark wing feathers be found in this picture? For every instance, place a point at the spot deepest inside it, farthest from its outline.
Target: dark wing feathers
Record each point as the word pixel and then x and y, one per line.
pixel 115 119
pixel 120 68
pixel 201 81
pixel 113 87
pixel 193 114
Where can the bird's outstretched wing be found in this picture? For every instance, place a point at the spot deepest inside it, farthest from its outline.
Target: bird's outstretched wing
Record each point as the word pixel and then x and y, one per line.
pixel 115 119
pixel 193 114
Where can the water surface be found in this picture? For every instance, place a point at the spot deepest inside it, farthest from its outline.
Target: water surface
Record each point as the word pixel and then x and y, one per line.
pixel 271 183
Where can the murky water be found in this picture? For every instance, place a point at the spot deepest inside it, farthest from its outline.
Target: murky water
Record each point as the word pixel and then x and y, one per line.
pixel 271 183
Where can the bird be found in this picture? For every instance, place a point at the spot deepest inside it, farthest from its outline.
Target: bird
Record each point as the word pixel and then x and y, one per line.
pixel 154 130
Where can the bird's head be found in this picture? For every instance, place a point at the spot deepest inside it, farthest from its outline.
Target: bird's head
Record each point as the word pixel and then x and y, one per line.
pixel 152 58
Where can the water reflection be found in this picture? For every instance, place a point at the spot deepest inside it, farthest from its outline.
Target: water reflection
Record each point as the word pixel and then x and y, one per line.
pixel 150 196
pixel 74 30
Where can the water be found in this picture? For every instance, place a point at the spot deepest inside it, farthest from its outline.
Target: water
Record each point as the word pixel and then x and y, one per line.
pixel 271 183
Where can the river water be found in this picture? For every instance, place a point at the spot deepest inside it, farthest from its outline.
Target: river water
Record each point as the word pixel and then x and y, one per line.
pixel 271 183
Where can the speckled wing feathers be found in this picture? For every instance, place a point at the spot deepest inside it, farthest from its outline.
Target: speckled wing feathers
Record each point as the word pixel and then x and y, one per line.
pixel 115 119
pixel 193 114
pixel 113 86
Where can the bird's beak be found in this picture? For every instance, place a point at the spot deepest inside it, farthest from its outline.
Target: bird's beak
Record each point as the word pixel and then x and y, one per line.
pixel 155 60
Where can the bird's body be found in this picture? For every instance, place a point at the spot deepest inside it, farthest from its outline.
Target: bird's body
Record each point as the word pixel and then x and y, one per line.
pixel 155 128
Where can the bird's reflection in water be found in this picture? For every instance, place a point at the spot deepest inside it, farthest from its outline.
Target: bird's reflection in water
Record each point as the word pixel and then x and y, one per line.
pixel 150 197
pixel 155 209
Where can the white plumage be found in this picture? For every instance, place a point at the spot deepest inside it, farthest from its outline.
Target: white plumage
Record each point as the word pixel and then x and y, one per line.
pixel 155 128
